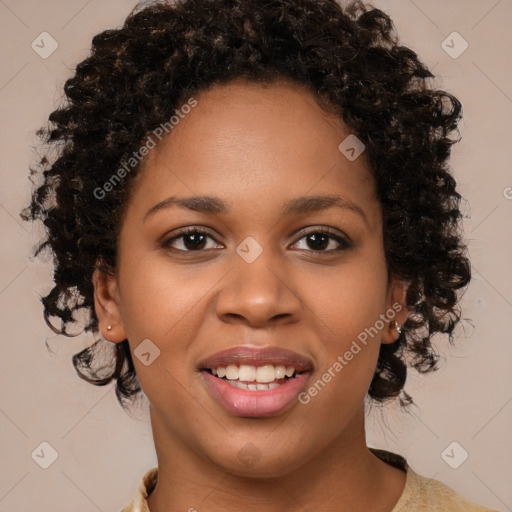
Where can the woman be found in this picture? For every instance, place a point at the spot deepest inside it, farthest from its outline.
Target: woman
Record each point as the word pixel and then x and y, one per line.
pixel 251 200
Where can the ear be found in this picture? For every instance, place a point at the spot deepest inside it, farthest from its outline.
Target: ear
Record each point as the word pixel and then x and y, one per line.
pixel 107 305
pixel 396 309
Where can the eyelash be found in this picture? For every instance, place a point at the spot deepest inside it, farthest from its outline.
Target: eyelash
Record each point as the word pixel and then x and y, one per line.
pixel 345 243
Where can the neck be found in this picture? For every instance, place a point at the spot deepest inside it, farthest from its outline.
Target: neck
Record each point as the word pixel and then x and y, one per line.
pixel 344 477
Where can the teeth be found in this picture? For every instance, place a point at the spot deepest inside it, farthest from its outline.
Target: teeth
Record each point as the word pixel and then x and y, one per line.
pixel 247 373
pixel 232 372
pixel 253 387
pixel 280 372
pixel 260 374
pixel 266 373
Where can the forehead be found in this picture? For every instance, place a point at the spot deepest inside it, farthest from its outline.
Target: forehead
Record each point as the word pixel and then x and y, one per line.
pixel 245 139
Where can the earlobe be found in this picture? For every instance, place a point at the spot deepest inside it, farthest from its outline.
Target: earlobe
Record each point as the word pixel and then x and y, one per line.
pixel 107 306
pixel 397 311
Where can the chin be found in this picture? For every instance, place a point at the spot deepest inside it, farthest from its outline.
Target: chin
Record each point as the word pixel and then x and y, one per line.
pixel 256 460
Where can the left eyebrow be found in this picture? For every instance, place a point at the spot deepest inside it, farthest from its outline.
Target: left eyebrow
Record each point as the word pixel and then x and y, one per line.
pixel 296 206
pixel 308 204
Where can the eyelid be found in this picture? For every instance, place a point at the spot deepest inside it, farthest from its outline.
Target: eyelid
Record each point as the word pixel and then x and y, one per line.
pixel 339 236
pixel 342 239
pixel 166 240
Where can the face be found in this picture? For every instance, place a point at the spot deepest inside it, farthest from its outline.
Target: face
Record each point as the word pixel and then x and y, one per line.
pixel 269 275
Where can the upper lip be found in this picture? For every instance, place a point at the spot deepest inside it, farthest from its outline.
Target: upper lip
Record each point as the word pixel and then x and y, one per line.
pixel 275 356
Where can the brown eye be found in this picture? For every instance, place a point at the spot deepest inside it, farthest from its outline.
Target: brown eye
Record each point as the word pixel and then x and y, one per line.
pixel 319 240
pixel 190 240
pixel 196 240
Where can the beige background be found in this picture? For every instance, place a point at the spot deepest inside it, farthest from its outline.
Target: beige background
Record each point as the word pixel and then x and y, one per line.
pixel 102 451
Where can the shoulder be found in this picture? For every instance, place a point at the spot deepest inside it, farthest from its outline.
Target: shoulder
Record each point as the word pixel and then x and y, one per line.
pixel 425 494
pixel 147 484
pixel 422 494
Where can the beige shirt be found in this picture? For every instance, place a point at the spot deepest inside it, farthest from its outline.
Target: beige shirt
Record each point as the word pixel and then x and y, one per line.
pixel 420 494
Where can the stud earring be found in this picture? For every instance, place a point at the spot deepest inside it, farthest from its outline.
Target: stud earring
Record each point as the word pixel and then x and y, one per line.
pixel 396 326
pixel 109 327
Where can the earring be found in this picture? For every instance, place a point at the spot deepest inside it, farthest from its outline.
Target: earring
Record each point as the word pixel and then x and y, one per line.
pixel 396 326
pixel 109 327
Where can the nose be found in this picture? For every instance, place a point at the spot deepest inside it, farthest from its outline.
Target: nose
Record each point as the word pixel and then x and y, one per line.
pixel 259 294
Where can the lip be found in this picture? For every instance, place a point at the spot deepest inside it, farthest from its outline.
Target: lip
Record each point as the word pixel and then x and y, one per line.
pixel 257 357
pixel 260 403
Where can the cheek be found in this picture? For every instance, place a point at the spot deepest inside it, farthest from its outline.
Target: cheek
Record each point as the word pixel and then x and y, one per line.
pixel 156 297
pixel 345 369
pixel 350 300
pixel 348 311
pixel 166 305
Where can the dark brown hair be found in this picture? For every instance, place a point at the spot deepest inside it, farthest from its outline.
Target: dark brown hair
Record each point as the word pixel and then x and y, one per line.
pixel 137 76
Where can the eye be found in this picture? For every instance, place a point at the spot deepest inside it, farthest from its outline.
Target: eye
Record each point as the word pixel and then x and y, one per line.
pixel 196 240
pixel 320 239
pixel 191 240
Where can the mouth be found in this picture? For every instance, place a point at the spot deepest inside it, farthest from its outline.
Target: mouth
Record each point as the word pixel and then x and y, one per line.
pixel 252 382
pixel 255 378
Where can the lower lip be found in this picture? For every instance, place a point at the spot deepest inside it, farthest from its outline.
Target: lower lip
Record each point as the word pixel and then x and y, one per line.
pixel 252 404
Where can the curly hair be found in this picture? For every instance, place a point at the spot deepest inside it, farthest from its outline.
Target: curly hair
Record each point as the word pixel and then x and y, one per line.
pixel 136 76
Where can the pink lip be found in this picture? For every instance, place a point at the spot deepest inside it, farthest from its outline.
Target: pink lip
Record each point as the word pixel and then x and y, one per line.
pixel 257 357
pixel 253 404
pixel 261 403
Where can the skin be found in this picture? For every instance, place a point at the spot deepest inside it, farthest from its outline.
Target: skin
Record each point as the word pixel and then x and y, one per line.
pixel 241 143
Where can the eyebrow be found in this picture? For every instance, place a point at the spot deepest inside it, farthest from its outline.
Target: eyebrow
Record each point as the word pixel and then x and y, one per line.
pixel 297 206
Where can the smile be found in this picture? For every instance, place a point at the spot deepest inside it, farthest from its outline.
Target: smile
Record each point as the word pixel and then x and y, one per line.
pixel 252 382
pixel 255 378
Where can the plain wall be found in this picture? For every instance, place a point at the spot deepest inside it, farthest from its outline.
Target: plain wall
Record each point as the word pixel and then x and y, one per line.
pixel 102 451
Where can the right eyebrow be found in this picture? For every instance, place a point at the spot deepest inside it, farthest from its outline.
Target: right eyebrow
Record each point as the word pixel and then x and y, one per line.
pixel 204 204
